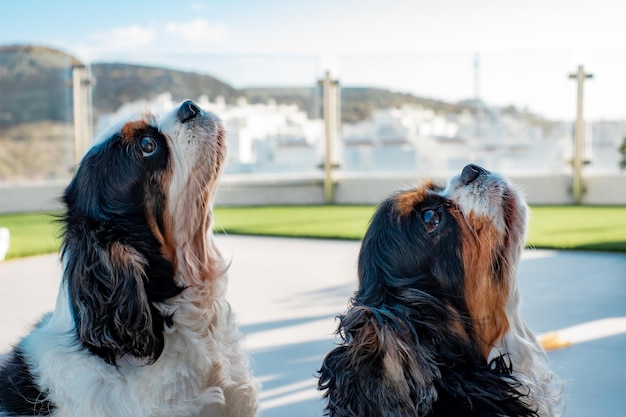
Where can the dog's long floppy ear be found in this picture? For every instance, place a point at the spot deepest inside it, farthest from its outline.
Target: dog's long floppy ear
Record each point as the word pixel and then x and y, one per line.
pixel 106 248
pixel 378 370
pixel 112 314
pixel 383 368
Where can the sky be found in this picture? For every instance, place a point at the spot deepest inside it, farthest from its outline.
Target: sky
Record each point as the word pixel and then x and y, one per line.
pixel 506 52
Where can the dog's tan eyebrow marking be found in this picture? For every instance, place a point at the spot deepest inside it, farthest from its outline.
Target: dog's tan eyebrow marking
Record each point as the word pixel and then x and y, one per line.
pixel 406 201
pixel 129 129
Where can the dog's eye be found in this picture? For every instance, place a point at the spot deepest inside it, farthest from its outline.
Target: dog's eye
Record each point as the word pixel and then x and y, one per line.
pixel 431 220
pixel 148 146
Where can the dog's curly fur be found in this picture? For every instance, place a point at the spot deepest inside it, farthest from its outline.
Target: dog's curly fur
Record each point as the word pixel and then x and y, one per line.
pixel 141 326
pixel 434 328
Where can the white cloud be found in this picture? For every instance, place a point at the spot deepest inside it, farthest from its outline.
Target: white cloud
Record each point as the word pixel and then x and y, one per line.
pixel 197 30
pixel 142 43
pixel 120 40
pixel 124 37
pixel 196 6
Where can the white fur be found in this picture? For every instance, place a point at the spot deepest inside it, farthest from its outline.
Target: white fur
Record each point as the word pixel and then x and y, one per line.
pixel 479 197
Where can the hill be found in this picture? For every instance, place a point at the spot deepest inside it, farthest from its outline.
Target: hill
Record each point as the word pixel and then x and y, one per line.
pixel 357 103
pixel 35 81
pixel 120 83
pixel 34 84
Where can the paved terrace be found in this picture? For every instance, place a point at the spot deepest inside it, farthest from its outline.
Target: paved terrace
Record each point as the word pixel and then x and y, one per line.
pixel 287 292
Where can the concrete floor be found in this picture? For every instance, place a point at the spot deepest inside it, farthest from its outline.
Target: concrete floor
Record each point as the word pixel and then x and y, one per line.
pixel 287 292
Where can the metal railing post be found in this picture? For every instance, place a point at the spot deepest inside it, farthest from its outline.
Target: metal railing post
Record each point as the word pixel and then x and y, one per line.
pixel 82 83
pixel 330 114
pixel 578 160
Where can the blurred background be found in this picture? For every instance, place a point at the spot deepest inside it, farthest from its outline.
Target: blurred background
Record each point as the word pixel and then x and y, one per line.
pixel 412 88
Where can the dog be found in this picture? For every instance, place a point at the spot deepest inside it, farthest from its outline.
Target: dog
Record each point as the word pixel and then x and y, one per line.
pixel 141 326
pixel 434 328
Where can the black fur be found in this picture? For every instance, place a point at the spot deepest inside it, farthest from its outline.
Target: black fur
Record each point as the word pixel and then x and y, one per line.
pixel 403 354
pixel 19 394
pixel 107 205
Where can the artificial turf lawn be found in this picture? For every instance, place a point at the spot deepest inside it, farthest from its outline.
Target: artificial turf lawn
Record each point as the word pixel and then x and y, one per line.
pixel 578 227
pixel 31 233
pixel 329 222
pixel 558 227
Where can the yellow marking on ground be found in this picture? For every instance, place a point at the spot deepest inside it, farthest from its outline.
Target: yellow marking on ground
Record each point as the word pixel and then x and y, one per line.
pixel 584 332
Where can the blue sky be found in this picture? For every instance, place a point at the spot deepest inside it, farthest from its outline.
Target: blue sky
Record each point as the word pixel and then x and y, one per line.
pixel 243 40
pixel 296 26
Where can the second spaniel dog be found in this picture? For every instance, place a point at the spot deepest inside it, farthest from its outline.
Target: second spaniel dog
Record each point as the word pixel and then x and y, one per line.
pixel 141 327
pixel 434 328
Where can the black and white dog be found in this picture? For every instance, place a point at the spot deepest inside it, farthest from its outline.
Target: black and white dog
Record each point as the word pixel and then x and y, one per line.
pixel 434 328
pixel 141 326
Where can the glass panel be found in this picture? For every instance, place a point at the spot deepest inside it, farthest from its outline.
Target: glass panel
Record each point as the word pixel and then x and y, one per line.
pixel 605 109
pixel 35 114
pixel 269 104
pixel 426 114
pixel 432 114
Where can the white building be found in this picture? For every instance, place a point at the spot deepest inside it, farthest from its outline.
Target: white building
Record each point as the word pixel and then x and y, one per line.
pixel 273 138
pixel 419 140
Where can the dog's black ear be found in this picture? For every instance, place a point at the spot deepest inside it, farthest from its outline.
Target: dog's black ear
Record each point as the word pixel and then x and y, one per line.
pixel 105 274
pixel 112 262
pixel 378 370
pixel 106 281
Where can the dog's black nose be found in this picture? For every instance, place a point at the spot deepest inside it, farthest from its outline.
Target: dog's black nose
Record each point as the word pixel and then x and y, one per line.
pixel 471 172
pixel 188 110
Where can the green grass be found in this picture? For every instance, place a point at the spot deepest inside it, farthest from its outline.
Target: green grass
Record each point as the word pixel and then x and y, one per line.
pixel 329 222
pixel 578 227
pixel 31 233
pixel 556 227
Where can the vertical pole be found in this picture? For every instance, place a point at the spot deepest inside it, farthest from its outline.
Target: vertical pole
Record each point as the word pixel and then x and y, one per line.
pixel 329 91
pixel 77 88
pixel 82 83
pixel 476 77
pixel 89 82
pixel 578 161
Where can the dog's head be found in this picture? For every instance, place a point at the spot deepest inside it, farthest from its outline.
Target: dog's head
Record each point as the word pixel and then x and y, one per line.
pixel 463 242
pixel 437 273
pixel 137 228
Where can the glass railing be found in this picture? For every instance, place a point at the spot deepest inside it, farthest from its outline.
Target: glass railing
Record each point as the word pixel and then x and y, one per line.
pixel 605 111
pixel 418 114
pixel 36 131
pixel 269 105
pixel 432 114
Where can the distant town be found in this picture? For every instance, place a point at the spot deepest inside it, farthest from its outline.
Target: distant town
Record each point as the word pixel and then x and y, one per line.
pixel 282 138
